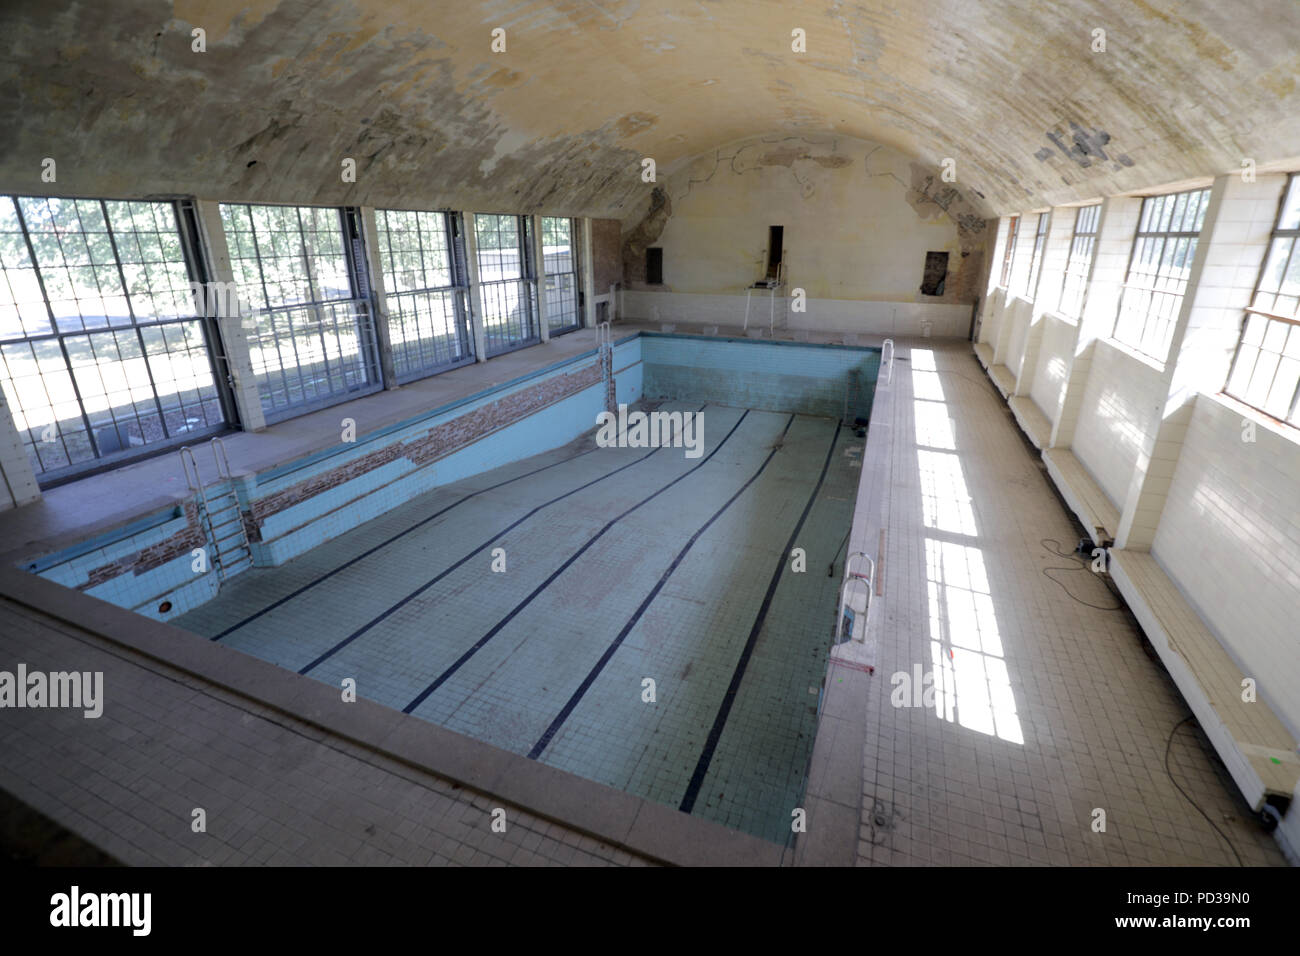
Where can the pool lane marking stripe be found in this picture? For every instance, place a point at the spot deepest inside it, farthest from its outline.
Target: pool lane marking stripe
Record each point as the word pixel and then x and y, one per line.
pixel 729 699
pixel 383 544
pixel 496 628
pixel 545 740
pixel 442 574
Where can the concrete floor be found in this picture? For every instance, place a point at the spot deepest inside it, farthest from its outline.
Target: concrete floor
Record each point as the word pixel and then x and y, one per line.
pixel 1050 707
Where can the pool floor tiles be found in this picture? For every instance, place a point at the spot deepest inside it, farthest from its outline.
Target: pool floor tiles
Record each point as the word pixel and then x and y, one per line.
pixel 622 566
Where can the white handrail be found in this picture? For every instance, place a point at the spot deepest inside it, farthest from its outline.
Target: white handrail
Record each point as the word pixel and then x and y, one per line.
pixel 220 457
pixel 188 462
pixel 849 578
pixel 889 379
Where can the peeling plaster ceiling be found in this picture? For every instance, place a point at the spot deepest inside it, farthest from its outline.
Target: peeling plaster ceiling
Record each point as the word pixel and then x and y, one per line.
pixel 559 122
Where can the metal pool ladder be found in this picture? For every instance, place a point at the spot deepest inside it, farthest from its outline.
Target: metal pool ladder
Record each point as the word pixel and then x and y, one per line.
pixel 889 378
pixel 859 634
pixel 231 552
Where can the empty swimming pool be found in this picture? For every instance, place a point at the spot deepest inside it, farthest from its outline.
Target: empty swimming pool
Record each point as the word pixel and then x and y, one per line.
pixel 630 615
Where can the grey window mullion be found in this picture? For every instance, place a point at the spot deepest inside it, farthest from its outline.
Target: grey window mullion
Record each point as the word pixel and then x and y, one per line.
pixel 58 334
pixel 318 299
pixel 419 338
pixel 214 346
pixel 1236 355
pixel 365 306
pixel 266 299
pixel 139 335
pixel 1277 367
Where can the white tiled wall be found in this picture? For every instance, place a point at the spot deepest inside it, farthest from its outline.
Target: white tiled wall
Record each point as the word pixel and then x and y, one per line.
pixel 1229 537
pixel 828 315
pixel 1055 353
pixel 1121 407
pixel 1017 334
pixel 1220 515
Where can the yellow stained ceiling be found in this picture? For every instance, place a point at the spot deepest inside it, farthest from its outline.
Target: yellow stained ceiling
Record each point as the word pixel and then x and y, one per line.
pixel 1011 90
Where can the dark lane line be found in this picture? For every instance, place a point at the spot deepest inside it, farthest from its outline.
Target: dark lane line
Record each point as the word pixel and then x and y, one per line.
pixel 383 544
pixel 442 574
pixel 729 699
pixel 573 701
pixel 419 524
pixel 496 628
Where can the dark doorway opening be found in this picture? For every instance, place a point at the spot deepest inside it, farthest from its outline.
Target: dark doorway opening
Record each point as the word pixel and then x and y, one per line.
pixel 936 273
pixel 775 237
pixel 654 267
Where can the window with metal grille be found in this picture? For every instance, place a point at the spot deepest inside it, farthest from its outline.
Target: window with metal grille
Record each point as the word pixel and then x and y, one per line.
pixel 1266 368
pixel 310 335
pixel 507 283
pixel 104 353
pixel 1036 260
pixel 428 326
pixel 560 258
pixel 1009 254
pixel 1082 245
pixel 1163 251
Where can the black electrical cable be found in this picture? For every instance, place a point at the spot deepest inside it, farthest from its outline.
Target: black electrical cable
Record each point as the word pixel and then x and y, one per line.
pixel 1074 567
pixel 1168 747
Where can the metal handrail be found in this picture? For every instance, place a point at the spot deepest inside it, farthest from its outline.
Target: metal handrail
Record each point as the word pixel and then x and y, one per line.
pixel 220 457
pixel 849 577
pixel 889 378
pixel 771 296
pixel 223 462
pixel 188 462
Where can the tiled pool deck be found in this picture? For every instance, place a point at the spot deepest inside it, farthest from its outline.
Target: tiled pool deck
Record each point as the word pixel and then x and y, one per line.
pixel 1049 707
pixel 659 569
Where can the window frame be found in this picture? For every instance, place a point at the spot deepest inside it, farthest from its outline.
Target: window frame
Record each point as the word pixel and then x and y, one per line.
pixel 1077 266
pixel 1269 320
pixel 452 228
pixel 575 271
pixel 1169 239
pixel 184 219
pixel 353 255
pixel 526 280
pixel 1036 259
pixel 1009 253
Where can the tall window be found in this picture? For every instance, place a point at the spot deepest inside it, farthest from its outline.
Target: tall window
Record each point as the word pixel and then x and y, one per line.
pixel 424 291
pixel 1266 369
pixel 103 350
pixel 507 282
pixel 310 337
pixel 1009 254
pixel 1036 261
pixel 1082 245
pixel 1163 250
pixel 560 256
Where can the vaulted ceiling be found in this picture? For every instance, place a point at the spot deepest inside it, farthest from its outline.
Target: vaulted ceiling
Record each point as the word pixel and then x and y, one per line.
pixel 1013 91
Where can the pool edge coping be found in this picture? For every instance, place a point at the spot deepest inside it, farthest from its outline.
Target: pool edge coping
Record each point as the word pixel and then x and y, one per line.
pixel 639 826
pixel 834 793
